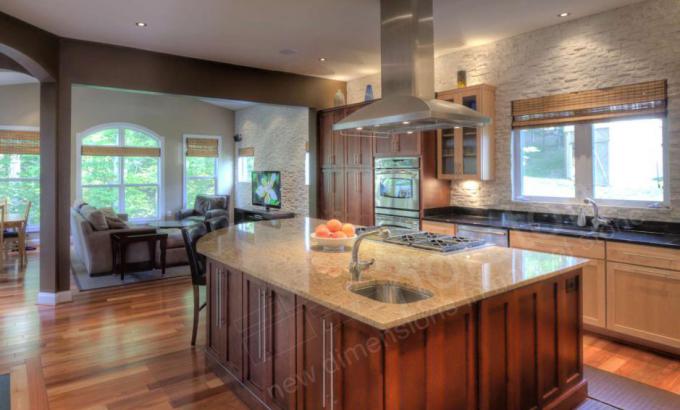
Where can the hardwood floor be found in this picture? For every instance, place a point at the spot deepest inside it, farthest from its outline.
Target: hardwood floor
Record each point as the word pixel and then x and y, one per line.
pixel 643 366
pixel 128 348
pixel 125 348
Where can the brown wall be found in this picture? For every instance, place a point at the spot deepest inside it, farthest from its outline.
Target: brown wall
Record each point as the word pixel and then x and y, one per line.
pixel 34 49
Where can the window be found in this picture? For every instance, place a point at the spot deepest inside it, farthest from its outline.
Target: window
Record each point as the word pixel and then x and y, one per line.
pixel 606 144
pixel 246 164
pixel 120 167
pixel 546 157
pixel 622 162
pixel 200 167
pixel 20 172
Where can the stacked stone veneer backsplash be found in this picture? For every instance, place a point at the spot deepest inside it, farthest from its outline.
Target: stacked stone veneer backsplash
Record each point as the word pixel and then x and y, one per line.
pixel 632 44
pixel 279 135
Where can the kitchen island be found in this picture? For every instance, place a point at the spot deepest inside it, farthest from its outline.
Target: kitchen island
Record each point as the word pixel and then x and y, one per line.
pixel 502 328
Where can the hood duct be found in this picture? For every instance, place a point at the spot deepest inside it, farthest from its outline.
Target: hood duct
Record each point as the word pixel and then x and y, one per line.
pixel 407 71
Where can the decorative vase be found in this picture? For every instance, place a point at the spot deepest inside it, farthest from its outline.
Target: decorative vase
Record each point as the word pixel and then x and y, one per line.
pixel 368 96
pixel 339 99
pixel 462 79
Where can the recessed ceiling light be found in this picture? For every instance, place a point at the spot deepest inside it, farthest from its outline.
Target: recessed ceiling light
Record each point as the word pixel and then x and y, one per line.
pixel 322 59
pixel 564 14
pixel 359 128
pixel 141 24
pixel 405 122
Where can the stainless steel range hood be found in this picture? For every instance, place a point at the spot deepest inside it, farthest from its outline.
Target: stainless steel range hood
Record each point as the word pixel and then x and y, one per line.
pixel 407 70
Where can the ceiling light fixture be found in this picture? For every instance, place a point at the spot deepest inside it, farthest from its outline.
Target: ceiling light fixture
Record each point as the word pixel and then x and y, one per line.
pixel 141 24
pixel 564 14
pixel 322 59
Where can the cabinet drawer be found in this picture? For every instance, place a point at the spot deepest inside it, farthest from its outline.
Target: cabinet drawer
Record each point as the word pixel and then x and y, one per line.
pixel 641 302
pixel 563 245
pixel 656 257
pixel 438 227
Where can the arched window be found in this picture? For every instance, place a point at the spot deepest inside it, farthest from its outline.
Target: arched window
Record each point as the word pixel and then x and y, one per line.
pixel 120 166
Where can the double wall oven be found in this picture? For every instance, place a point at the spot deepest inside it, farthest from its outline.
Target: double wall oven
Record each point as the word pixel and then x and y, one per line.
pixel 397 192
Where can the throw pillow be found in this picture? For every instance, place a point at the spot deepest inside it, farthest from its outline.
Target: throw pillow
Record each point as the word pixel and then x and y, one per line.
pixel 113 219
pixel 95 217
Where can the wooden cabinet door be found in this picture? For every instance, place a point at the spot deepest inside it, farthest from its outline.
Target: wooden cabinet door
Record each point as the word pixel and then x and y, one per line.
pixel 217 331
pixel 643 302
pixel 280 348
pixel 338 141
pixel 333 194
pixel 255 371
pixel 359 151
pixel 314 356
pixel 359 196
pixel 384 146
pixel 234 321
pixel 326 139
pixel 594 297
pixel 407 144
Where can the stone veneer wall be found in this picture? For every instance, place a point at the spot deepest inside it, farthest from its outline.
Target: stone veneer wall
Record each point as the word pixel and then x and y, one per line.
pixel 632 44
pixel 279 135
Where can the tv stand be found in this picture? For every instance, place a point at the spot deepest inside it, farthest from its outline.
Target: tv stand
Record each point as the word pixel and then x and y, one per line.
pixel 253 214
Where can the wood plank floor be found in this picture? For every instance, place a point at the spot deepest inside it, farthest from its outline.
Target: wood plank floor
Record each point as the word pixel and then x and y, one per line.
pixel 125 348
pixel 128 348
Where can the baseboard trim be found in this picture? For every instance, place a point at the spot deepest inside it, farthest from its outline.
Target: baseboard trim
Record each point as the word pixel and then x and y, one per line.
pixel 48 298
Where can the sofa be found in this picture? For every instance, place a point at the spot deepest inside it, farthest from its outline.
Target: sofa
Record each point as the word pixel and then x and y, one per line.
pixel 206 207
pixel 92 245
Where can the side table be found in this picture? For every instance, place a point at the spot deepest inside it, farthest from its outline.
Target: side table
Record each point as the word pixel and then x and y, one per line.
pixel 121 241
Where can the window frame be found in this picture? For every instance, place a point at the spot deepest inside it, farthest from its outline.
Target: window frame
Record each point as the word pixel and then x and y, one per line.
pixel 248 178
pixel 583 167
pixel 122 126
pixel 29 228
pixel 216 173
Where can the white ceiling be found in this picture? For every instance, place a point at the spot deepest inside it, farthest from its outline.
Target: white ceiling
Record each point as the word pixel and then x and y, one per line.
pixel 254 32
pixel 8 77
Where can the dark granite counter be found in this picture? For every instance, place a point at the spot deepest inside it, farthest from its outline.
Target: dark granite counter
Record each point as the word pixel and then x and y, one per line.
pixel 664 234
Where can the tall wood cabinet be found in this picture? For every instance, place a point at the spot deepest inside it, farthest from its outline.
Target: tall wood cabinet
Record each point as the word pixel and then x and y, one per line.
pixel 468 153
pixel 346 169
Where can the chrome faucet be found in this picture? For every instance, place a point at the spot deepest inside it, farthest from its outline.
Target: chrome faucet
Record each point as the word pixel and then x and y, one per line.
pixel 597 220
pixel 357 266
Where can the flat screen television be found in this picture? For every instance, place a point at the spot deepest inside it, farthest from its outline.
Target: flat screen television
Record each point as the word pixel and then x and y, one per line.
pixel 266 186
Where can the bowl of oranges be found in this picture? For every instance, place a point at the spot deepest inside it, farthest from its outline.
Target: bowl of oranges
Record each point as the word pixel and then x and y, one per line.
pixel 334 235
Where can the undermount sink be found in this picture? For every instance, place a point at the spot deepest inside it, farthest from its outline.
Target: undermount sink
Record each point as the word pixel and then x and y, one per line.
pixel 390 292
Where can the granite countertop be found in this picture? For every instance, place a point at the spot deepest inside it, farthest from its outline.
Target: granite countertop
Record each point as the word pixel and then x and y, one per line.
pixel 281 253
pixel 668 240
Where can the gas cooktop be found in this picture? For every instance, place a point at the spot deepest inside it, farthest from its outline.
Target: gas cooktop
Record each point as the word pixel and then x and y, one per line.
pixel 435 242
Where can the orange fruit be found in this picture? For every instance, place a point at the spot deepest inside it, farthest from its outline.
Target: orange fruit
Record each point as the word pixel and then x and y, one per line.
pixel 334 225
pixel 322 231
pixel 338 235
pixel 348 229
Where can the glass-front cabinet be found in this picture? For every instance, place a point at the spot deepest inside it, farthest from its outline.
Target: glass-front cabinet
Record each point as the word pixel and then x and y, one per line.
pixel 468 153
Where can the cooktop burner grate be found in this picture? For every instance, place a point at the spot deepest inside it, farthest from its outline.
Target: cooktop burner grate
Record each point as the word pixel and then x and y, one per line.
pixel 435 242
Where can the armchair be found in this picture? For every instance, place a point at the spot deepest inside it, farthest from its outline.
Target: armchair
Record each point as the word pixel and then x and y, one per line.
pixel 206 207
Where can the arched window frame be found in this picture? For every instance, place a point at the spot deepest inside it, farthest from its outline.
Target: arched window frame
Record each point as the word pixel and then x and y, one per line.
pixel 121 126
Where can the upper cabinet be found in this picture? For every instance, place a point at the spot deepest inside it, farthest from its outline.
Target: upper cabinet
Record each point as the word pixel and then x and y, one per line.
pixel 398 145
pixel 468 153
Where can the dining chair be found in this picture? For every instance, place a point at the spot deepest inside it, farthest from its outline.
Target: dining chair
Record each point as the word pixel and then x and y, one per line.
pixel 2 235
pixel 197 264
pixel 216 223
pixel 17 236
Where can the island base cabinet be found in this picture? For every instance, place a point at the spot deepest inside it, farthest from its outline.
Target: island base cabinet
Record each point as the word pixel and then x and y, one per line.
pixel 225 315
pixel 530 350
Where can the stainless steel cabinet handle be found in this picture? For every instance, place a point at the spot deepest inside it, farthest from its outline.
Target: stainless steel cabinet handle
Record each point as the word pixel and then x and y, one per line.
pixel 323 363
pixel 332 356
pixel 259 323
pixel 264 323
pixel 481 231
pixel 218 296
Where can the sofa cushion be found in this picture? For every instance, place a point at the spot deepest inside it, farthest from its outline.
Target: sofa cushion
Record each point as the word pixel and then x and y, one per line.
pixel 95 217
pixel 113 219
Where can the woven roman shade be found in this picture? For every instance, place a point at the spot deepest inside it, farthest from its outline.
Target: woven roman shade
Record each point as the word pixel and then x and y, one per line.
pixel 109 151
pixel 649 98
pixel 202 147
pixel 246 152
pixel 19 142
